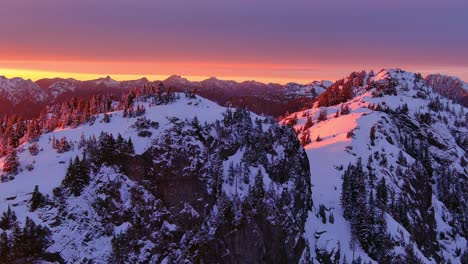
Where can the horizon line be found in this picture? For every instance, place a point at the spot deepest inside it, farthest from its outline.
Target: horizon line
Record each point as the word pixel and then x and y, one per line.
pixel 36 75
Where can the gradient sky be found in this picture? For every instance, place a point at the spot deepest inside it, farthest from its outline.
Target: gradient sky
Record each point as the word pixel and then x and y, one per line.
pixel 267 40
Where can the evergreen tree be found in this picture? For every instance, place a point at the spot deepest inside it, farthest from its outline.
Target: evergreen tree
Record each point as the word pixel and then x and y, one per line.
pixel 358 206
pixel 308 123
pixel 322 115
pixel 77 176
pixel 372 135
pixel 107 149
pixel 5 247
pixel 246 173
pixel 382 194
pixel 34 149
pixel 231 173
pixel 11 164
pixel 345 109
pixel 258 191
pixel 130 148
pixel 305 138
pixel 8 219
pixel 106 118
pixel 82 141
pixel 37 199
pixel 30 244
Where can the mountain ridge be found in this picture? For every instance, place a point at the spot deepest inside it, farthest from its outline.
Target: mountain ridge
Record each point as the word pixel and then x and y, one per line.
pixel 92 209
pixel 49 91
pixel 395 133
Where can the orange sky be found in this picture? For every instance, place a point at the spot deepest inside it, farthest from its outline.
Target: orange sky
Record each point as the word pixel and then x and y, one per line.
pixel 125 70
pixel 265 40
pixel 195 71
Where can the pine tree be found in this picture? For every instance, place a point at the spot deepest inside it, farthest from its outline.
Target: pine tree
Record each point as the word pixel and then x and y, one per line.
pixel 345 109
pixel 37 199
pixel 322 115
pixel 8 219
pixel 346 193
pixel 258 190
pixel 305 138
pixel 106 118
pixel 382 194
pixel 31 242
pixel 63 145
pixel 120 149
pixel 246 173
pixel 355 203
pixel 82 141
pixel 77 176
pixel 130 148
pixel 11 164
pixel 107 149
pixel 372 135
pixel 34 149
pixel 308 123
pixel 231 173
pixel 5 247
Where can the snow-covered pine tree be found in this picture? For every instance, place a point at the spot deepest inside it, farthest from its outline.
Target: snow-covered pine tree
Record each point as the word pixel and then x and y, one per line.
pixel 37 199
pixel 12 163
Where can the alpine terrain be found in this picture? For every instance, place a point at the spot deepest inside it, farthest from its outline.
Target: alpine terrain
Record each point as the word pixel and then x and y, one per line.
pixel 369 169
pixel 153 178
pixel 388 161
pixel 28 99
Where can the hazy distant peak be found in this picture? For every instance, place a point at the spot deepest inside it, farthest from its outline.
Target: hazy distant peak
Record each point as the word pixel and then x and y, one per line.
pixel 107 81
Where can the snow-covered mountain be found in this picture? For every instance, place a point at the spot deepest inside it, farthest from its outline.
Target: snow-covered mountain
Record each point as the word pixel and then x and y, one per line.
pixel 16 90
pixel 164 178
pixel 388 160
pixel 271 99
pixel 17 93
pixel 154 176
pixel 261 98
pixel 311 90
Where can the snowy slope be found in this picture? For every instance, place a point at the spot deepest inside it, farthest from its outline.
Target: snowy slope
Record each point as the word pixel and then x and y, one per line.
pixel 346 138
pixel 81 231
pixel 50 166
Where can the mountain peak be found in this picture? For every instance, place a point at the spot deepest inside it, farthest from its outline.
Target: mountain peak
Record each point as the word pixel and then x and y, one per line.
pixel 107 81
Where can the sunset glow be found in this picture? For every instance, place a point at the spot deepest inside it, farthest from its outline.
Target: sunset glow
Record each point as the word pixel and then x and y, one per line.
pixel 87 39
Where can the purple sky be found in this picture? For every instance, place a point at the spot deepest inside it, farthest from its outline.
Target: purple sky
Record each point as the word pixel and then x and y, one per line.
pixel 300 39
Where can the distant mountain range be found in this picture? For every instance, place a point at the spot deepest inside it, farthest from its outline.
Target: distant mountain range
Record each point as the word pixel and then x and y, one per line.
pixel 27 98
